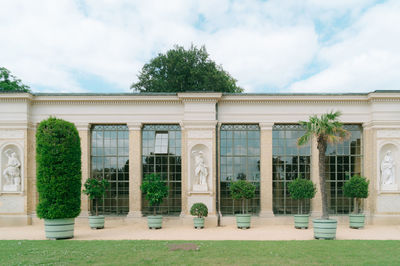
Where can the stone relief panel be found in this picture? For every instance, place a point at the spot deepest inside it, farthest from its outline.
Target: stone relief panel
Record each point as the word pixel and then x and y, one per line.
pixel 388 167
pixel 11 170
pixel 200 172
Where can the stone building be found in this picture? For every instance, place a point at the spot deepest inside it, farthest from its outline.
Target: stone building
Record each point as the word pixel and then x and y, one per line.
pixel 199 143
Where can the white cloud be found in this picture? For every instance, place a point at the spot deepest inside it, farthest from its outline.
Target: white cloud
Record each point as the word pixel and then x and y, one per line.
pixel 364 57
pixel 51 44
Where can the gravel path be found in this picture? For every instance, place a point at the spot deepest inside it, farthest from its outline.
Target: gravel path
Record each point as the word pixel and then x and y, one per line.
pixel 118 231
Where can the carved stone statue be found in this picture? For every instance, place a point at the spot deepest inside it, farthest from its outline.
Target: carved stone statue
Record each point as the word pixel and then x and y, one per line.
pixel 387 169
pixel 200 172
pixel 12 174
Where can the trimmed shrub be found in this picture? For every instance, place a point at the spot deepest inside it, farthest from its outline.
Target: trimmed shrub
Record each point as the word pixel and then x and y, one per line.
pixel 242 190
pixel 95 189
pixel 154 189
pixel 199 209
pixel 357 188
pixel 58 171
pixel 301 189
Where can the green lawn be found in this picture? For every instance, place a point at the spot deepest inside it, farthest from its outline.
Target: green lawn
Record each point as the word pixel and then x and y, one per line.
pixel 350 252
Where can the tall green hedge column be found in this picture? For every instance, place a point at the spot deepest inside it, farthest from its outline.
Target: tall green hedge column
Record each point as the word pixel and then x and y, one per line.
pixel 58 158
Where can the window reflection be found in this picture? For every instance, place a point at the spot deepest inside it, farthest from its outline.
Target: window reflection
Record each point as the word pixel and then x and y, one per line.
pixel 110 160
pixel 239 159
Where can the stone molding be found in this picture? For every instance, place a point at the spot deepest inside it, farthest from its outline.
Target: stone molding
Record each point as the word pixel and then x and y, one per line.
pixel 134 126
pixel 266 126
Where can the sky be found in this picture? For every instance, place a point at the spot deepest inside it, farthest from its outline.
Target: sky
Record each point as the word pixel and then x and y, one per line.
pixel 274 46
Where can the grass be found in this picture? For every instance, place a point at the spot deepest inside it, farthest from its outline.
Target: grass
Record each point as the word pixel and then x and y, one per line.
pixel 64 252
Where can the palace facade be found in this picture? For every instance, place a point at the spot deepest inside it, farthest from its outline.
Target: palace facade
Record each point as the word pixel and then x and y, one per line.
pixel 199 143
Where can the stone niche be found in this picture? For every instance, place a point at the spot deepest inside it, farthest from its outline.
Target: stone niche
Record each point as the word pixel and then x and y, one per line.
pixel 11 168
pixel 388 167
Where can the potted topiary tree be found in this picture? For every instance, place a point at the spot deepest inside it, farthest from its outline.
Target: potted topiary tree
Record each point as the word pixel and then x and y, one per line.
pixel 242 190
pixel 58 172
pixel 199 210
pixel 356 188
pixel 325 129
pixel 301 189
pixel 155 190
pixel 95 189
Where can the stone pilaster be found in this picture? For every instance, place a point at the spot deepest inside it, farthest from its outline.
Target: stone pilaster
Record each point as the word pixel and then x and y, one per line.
pixel 316 202
pixel 266 169
pixel 84 134
pixel 369 159
pixel 30 170
pixel 135 170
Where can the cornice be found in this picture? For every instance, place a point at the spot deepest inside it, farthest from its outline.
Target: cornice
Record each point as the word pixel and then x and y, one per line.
pixel 200 124
pixel 381 125
pixel 200 97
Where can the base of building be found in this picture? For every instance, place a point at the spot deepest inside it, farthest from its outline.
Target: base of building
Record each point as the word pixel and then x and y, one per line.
pixel 15 220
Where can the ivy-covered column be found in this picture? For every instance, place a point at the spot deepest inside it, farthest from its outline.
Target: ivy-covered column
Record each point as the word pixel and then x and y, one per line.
pixel 135 170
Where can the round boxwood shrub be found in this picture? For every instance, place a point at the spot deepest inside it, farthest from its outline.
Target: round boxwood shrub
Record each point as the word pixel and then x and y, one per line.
pixel 301 189
pixel 242 190
pixel 357 188
pixel 199 209
pixel 58 158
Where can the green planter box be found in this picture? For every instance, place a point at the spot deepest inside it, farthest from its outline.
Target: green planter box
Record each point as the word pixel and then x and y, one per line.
pixel 154 222
pixel 59 228
pixel 301 221
pixel 357 221
pixel 198 222
pixel 243 221
pixel 324 229
pixel 96 222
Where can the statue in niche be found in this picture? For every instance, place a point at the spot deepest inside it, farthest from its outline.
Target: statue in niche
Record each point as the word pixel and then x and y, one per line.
pixel 387 169
pixel 12 174
pixel 200 172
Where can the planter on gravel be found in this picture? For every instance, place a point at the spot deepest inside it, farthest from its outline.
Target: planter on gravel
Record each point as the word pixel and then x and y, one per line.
pixel 301 221
pixel 243 221
pixel 96 222
pixel 357 220
pixel 154 221
pixel 324 228
pixel 59 228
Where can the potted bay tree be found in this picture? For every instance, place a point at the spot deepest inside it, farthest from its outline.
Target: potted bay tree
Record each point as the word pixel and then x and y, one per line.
pixel 325 129
pixel 58 172
pixel 242 190
pixel 95 189
pixel 301 189
pixel 155 190
pixel 199 210
pixel 357 189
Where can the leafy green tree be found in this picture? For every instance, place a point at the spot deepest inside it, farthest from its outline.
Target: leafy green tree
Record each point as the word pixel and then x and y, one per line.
pixel 301 189
pixel 242 190
pixel 326 129
pixel 95 189
pixel 9 82
pixel 154 189
pixel 180 70
pixel 356 188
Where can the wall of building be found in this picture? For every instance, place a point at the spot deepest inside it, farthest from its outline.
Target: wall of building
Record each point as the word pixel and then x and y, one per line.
pixel 199 115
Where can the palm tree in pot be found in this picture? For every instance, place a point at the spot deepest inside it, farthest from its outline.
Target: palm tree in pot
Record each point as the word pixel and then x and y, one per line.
pixel 357 189
pixel 155 190
pixel 95 189
pixel 199 210
pixel 242 190
pixel 301 189
pixel 325 129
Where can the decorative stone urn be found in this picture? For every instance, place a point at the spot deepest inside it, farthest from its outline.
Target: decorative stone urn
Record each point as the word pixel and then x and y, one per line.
pixel 324 228
pixel 59 228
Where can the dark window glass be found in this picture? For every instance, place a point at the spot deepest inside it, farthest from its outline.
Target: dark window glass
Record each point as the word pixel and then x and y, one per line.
pixel 239 159
pixel 289 162
pixel 161 153
pixel 343 160
pixel 110 160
